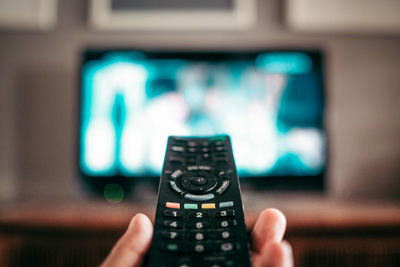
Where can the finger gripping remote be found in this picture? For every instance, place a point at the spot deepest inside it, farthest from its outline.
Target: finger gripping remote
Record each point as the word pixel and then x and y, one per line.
pixel 199 218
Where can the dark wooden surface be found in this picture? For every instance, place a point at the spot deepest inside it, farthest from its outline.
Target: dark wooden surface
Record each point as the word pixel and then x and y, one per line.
pixel 301 212
pixel 322 231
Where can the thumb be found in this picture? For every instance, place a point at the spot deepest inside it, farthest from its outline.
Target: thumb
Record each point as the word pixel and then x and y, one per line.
pixel 132 246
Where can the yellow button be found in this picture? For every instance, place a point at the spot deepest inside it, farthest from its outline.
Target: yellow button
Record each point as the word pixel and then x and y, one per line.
pixel 208 206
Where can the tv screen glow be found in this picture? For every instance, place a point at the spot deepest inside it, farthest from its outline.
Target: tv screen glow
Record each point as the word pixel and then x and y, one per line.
pixel 271 104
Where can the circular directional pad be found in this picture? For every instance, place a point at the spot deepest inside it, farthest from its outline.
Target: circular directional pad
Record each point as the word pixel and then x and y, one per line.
pixel 198 182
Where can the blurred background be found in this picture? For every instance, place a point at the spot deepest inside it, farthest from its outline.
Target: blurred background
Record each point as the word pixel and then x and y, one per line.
pixel 41 44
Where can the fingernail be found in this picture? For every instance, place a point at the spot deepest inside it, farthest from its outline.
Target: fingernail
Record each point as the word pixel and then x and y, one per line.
pixel 288 251
pixel 287 247
pixel 132 223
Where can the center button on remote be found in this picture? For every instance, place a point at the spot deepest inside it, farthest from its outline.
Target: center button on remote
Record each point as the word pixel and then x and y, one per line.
pixel 198 181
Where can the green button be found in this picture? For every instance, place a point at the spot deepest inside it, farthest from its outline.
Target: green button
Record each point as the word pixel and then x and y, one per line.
pixel 190 206
pixel 172 247
pixel 230 263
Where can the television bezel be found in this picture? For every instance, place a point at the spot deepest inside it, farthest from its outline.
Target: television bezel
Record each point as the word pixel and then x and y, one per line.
pixel 273 182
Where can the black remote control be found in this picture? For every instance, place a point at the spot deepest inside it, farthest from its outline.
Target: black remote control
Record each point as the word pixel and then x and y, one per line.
pixel 199 218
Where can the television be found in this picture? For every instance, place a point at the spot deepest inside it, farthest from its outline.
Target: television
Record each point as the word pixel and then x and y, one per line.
pixel 271 103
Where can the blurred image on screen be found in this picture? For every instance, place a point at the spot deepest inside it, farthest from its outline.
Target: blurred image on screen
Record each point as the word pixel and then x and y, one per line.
pixel 270 103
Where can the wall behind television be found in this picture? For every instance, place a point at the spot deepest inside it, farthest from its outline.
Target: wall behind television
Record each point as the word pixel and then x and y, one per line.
pixel 38 99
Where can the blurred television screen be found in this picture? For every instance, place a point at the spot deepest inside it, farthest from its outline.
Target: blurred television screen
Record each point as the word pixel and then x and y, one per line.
pixel 271 103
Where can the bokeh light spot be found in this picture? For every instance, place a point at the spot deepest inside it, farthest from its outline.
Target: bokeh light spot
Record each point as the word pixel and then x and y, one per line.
pixel 113 193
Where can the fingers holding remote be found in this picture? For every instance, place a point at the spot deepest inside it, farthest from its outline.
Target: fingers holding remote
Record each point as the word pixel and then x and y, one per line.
pixel 132 246
pixel 268 248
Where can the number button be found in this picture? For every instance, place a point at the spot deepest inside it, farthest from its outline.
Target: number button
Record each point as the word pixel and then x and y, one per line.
pixel 172 247
pixel 172 224
pixel 173 213
pixel 197 225
pixel 227 223
pixel 225 234
pixel 226 247
pixel 200 248
pixel 171 235
pixel 226 213
pixel 198 215
pixel 199 236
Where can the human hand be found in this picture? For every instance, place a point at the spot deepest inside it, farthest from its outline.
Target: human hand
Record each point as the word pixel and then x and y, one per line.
pixel 268 248
pixel 133 245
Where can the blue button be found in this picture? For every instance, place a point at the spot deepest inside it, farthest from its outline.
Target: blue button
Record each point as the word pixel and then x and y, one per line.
pixel 226 204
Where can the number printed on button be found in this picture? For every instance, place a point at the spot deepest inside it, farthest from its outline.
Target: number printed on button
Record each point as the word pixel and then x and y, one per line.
pixel 224 224
pixel 199 248
pixel 199 225
pixel 227 247
pixel 199 236
pixel 228 223
pixel 172 213
pixel 173 235
pixel 225 234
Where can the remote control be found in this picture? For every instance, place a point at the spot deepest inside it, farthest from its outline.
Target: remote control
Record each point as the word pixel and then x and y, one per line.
pixel 199 218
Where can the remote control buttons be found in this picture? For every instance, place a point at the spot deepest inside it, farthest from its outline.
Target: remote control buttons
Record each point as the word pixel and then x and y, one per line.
pixel 223 187
pixel 179 149
pixel 175 160
pixel 173 205
pixel 192 168
pixel 227 247
pixel 190 206
pixel 192 144
pixel 176 174
pixel 227 223
pixel 199 197
pixel 176 188
pixel 219 143
pixel 226 204
pixel 205 149
pixel 199 182
pixel 201 248
pixel 192 149
pixel 171 247
pixel 220 148
pixel 185 263
pixel 172 235
pixel 198 214
pixel 198 225
pixel 167 172
pixel 173 224
pixel 225 234
pixel 199 236
pixel 208 206
pixel 205 168
pixel 226 213
pixel 206 156
pixel 173 213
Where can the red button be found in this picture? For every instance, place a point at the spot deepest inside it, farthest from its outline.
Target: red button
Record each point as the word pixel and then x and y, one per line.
pixel 173 205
